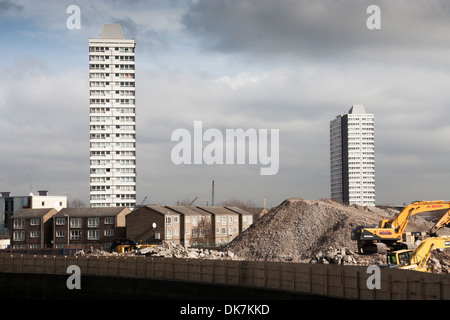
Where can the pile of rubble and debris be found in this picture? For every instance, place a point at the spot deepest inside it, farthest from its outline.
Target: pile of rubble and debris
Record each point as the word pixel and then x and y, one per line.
pixel 316 231
pixel 168 249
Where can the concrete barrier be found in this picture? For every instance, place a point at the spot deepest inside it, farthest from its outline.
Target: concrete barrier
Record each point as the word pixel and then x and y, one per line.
pixel 334 281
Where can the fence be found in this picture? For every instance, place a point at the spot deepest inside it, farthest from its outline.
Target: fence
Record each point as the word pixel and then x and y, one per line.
pixel 348 282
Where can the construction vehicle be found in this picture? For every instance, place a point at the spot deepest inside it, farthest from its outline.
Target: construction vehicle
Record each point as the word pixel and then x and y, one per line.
pixel 121 245
pixel 389 234
pixel 417 259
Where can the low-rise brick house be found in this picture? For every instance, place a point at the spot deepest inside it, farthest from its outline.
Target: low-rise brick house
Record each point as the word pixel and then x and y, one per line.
pixel 225 224
pixel 152 224
pixel 89 226
pixel 196 226
pixel 245 218
pixel 31 228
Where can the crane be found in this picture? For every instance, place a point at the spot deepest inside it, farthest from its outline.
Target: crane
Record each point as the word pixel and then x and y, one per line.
pixel 388 234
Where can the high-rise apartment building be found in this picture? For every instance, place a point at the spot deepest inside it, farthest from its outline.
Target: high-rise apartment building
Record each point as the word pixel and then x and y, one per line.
pixel 112 119
pixel 352 157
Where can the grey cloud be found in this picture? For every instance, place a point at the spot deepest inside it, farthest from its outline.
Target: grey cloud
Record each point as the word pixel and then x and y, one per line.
pixel 316 28
pixel 9 6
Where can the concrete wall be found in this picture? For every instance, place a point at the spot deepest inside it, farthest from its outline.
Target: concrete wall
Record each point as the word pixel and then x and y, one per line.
pixel 335 281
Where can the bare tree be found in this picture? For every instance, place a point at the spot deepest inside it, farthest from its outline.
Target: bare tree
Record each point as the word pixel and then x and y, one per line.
pixel 76 203
pixel 238 203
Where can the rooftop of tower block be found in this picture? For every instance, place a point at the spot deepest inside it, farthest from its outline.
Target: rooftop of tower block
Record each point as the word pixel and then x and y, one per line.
pixel 357 109
pixel 111 31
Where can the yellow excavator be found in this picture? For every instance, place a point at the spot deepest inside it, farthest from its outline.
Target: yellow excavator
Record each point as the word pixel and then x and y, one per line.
pixel 417 259
pixel 389 234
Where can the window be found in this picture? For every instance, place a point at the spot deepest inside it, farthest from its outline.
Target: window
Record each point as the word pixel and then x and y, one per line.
pixel 34 222
pixel 60 233
pixel 188 231
pixel 34 234
pixel 169 234
pixel 93 234
pixel 60 221
pixel 75 234
pixel 19 235
pixel 224 231
pixel 19 223
pixel 109 233
pixel 75 222
pixel 224 220
pixel 169 221
pixel 109 220
pixel 93 222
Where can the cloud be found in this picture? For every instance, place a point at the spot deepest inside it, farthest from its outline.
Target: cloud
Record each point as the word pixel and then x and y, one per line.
pixel 318 29
pixel 287 65
pixel 44 129
pixel 9 6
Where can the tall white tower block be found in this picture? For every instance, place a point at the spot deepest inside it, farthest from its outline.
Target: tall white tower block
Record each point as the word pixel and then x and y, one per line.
pixel 352 157
pixel 112 119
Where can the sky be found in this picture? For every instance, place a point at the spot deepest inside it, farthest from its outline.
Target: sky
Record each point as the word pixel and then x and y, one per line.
pixel 289 65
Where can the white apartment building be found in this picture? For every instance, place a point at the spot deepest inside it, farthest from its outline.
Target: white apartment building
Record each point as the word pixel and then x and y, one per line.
pixel 112 119
pixel 352 157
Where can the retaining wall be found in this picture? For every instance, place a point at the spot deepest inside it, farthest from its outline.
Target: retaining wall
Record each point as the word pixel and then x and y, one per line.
pixel 335 281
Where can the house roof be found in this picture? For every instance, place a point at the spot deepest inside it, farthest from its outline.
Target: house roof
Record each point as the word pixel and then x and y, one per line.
pixel 160 209
pixel 92 212
pixel 217 210
pixel 32 213
pixel 239 210
pixel 188 210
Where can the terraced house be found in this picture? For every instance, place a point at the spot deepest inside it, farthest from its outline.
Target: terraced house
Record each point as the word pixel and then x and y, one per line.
pixel 31 228
pixel 189 226
pixel 89 226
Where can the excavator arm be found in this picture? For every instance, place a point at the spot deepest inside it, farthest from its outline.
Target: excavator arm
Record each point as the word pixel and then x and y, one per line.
pixel 388 234
pixel 400 222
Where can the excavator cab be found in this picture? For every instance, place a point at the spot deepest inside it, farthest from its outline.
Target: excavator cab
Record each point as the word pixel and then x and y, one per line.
pixel 399 258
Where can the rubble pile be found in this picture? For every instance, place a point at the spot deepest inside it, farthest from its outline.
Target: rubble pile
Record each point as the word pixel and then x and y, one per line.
pixel 313 231
pixel 167 249
pixel 170 249
pixel 299 230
